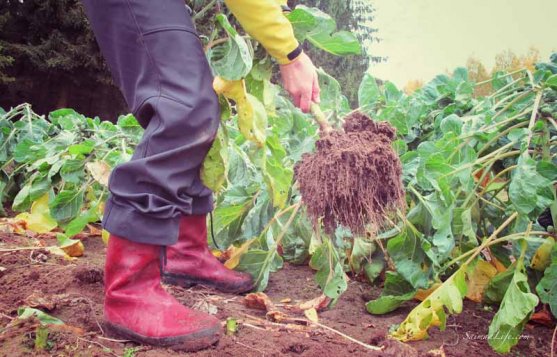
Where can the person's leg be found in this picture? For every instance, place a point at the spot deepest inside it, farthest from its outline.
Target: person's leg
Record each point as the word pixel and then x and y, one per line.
pixel 157 61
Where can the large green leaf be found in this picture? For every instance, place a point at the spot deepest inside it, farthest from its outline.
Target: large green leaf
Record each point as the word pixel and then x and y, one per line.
pixel 395 292
pixel 515 310
pixel 296 241
pixel 330 275
pixel 319 29
pixel 66 205
pixel 32 190
pixel 529 191
pixel 233 59
pixel 260 263
pixel 332 99
pixel 552 81
pixel 369 93
pixel 77 224
pixel 29 151
pixel 362 249
pixel 215 165
pixel 278 176
pixel 66 118
pixel 258 216
pixel 73 171
pixel 409 257
pixel 547 287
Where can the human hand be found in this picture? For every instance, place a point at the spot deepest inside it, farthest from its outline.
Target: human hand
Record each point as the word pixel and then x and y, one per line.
pixel 299 78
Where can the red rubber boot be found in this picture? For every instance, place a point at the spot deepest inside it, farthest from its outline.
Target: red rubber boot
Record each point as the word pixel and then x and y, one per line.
pixel 136 307
pixel 190 262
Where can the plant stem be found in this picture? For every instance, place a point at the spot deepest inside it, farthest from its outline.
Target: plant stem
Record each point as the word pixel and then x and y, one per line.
pixel 474 252
pixel 288 223
pixel 503 76
pixel 320 118
pixel 277 216
pixel 533 116
pixel 500 135
pixel 202 12
pixel 499 174
pixel 504 109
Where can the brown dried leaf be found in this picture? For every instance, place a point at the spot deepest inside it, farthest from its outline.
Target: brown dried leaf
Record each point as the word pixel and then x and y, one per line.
pixel 319 303
pixel 94 231
pixel 543 317
pixel 277 316
pixel 100 171
pixel 259 301
pixel 42 302
pixel 422 294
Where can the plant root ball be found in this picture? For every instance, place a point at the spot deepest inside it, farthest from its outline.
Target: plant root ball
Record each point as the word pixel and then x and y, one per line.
pixel 354 178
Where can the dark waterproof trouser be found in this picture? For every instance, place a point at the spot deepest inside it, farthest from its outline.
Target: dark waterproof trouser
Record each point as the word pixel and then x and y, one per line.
pixel 157 60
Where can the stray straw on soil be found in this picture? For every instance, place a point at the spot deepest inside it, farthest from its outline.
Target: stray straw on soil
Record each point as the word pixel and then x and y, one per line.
pixel 354 177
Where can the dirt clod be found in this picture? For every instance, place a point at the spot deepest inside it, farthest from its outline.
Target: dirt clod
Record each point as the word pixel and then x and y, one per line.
pixel 296 348
pixel 354 177
pixel 89 275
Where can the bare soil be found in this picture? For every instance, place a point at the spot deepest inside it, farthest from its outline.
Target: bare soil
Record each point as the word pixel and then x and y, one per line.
pixel 74 293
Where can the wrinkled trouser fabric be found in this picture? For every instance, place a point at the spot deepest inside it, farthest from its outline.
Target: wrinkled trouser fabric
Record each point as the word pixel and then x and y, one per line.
pixel 158 62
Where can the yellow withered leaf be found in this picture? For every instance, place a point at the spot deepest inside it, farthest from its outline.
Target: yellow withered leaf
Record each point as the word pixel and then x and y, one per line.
pixel 38 219
pixel 432 312
pixel 72 247
pixel 237 253
pixel 235 90
pixel 311 315
pixel 478 279
pixel 74 250
pixel 542 257
pixel 252 117
pixel 105 235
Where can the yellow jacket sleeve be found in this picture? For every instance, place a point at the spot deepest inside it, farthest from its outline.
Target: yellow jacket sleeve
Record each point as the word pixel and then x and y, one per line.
pixel 264 21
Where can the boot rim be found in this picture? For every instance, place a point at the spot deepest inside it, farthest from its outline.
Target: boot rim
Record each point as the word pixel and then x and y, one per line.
pixel 191 342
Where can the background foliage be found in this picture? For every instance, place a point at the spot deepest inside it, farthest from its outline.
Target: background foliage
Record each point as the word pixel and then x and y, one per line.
pixel 49 48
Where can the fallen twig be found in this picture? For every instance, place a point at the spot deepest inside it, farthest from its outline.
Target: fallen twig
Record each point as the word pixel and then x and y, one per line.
pixel 299 328
pixel 112 339
pixel 250 325
pixel 105 348
pixel 6 316
pixel 20 249
pixel 365 345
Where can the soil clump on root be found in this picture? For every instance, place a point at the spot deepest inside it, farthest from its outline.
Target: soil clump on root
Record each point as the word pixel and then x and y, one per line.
pixel 354 177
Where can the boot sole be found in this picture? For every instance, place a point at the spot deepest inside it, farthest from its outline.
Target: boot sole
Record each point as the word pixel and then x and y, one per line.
pixel 186 281
pixel 189 343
